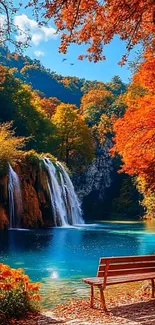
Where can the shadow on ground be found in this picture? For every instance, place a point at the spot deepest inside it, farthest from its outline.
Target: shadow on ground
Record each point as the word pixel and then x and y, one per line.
pixel 143 312
pixel 39 319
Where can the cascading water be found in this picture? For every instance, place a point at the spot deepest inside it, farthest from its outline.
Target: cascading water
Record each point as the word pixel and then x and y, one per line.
pixel 74 208
pixel 15 199
pixel 57 203
pixel 64 202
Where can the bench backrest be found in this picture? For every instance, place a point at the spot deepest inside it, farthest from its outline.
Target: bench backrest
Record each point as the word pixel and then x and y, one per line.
pixel 125 265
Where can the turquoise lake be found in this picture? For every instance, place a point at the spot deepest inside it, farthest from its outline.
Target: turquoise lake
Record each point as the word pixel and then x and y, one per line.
pixel 60 257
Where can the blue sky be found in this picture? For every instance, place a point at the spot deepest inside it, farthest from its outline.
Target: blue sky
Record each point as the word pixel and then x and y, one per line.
pixel 102 71
pixel 44 46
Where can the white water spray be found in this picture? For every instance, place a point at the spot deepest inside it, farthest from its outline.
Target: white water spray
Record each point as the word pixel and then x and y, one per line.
pixel 64 202
pixel 15 199
pixel 57 203
pixel 74 207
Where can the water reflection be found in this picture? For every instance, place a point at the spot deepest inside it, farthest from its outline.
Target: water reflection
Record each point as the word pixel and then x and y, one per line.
pixel 150 225
pixel 54 275
pixel 23 240
pixel 62 253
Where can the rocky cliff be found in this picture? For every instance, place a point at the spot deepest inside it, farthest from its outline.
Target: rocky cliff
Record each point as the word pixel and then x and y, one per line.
pixel 93 184
pixel 37 192
pixel 104 192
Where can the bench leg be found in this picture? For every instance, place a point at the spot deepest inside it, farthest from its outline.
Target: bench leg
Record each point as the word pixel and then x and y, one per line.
pixel 92 297
pixel 102 299
pixel 152 280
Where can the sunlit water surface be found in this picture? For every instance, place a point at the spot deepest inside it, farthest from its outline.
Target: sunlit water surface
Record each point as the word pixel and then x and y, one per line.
pixel 60 257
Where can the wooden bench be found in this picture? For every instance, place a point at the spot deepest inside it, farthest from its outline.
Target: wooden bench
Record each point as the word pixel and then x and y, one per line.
pixel 116 270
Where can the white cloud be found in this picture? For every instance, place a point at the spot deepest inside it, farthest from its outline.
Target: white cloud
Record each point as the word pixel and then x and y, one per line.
pixel 30 27
pixel 39 53
pixel 2 20
pixel 3 27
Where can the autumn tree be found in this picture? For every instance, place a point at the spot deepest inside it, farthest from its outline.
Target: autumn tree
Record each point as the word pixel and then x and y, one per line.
pixel 93 23
pixel 134 139
pixel 11 145
pixel 118 106
pixel 103 129
pixel 148 198
pixel 94 103
pixel 49 105
pixel 101 105
pixel 76 147
pixel 145 75
pixel 116 86
pixel 135 131
pixel 20 105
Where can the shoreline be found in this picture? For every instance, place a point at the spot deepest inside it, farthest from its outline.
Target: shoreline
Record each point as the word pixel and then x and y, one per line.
pixel 130 304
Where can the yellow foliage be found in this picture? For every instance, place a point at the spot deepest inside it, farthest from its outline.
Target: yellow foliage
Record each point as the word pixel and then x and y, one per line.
pixel 74 135
pixel 10 144
pixel 149 198
pixel 104 127
pixel 94 103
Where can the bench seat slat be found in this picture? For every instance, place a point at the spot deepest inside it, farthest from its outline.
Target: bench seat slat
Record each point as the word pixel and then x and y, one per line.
pixel 130 265
pixel 124 272
pixel 124 259
pixel 120 279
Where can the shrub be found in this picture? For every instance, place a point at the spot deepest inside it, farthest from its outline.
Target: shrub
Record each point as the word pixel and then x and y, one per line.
pixel 37 158
pixel 33 157
pixel 18 294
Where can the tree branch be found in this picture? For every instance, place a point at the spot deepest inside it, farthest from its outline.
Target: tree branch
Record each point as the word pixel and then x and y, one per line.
pixel 7 16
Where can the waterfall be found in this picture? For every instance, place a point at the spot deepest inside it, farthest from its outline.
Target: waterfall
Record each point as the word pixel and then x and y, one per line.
pixel 64 202
pixel 74 210
pixel 15 199
pixel 57 203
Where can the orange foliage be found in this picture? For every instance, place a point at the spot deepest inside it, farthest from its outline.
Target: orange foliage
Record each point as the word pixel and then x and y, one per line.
pixel 135 136
pixel 135 131
pixel 145 76
pixel 96 22
pixel 66 81
pixel 95 97
pixel 49 105
pixel 15 279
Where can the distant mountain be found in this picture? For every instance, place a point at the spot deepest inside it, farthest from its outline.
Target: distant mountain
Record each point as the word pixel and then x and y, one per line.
pixel 66 89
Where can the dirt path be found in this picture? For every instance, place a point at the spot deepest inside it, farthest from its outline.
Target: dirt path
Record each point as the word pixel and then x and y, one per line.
pixel 133 313
pixel 128 307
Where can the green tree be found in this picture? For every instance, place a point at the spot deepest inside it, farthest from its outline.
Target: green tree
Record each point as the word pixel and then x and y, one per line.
pixel 116 86
pixel 20 105
pixel 95 103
